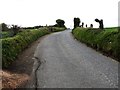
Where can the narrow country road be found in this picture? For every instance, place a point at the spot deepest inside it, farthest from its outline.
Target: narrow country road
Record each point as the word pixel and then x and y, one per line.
pixel 67 63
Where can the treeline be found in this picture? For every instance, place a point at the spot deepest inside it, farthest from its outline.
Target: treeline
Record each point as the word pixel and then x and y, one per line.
pixel 5 27
pixel 14 29
pixel 77 23
pixel 34 27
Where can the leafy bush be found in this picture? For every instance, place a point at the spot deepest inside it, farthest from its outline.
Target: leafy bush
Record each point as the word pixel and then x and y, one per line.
pixel 107 40
pixel 57 29
pixel 12 46
pixel 6 34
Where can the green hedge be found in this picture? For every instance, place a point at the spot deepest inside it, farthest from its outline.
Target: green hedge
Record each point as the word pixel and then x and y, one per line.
pixel 106 40
pixel 57 29
pixel 12 46
pixel 5 34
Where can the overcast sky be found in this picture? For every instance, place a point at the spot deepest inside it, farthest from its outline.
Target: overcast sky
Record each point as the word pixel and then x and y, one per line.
pixel 42 12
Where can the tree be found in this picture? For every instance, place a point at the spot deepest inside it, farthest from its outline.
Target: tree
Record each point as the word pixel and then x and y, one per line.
pixel 76 22
pixel 91 25
pixel 4 27
pixel 60 23
pixel 101 26
pixel 82 24
pixel 15 29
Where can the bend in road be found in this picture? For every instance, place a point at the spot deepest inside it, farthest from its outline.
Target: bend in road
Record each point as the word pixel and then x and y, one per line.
pixel 67 63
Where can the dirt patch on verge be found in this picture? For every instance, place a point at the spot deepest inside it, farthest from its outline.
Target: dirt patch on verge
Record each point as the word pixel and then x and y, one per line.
pixel 13 80
pixel 20 71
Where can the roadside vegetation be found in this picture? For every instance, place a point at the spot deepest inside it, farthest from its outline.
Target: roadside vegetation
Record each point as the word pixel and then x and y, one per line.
pixel 105 40
pixel 12 46
pixel 15 39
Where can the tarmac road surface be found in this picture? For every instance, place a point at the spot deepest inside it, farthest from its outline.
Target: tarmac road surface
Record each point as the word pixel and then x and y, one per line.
pixel 67 63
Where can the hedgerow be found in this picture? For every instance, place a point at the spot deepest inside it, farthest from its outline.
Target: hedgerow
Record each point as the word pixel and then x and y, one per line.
pixel 5 34
pixel 12 46
pixel 57 29
pixel 104 40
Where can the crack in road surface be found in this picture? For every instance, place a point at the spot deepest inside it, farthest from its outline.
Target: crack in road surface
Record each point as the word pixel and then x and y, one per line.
pixel 67 63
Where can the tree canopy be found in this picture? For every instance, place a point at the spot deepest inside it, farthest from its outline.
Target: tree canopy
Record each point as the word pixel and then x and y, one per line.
pixel 4 27
pixel 76 22
pixel 60 23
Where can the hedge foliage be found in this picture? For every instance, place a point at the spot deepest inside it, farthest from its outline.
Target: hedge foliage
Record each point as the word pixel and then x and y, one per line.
pixel 57 29
pixel 12 46
pixel 6 34
pixel 106 40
